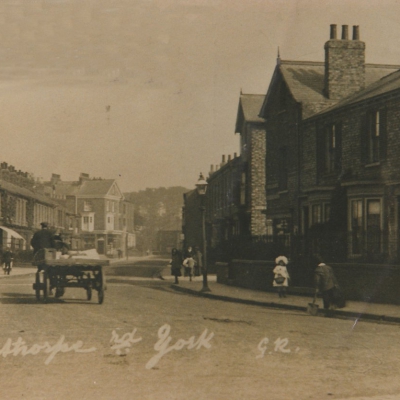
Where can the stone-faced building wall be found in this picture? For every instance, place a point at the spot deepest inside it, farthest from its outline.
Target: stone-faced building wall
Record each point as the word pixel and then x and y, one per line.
pixel 310 153
pixel 257 180
pixel 283 116
pixel 253 155
pixel 367 146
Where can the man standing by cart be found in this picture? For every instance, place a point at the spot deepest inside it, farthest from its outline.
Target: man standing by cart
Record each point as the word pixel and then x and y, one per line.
pixel 42 239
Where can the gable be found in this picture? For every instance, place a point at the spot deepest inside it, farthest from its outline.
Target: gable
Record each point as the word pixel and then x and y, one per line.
pixel 115 191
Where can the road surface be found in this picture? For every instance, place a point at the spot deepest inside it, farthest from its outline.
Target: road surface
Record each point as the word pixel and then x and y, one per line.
pixel 148 342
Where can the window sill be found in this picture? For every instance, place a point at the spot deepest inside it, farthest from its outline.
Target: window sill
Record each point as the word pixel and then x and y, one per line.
pixel 374 164
pixel 330 174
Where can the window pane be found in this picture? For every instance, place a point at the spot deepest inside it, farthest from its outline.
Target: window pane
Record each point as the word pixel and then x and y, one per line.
pixel 327 212
pixel 316 214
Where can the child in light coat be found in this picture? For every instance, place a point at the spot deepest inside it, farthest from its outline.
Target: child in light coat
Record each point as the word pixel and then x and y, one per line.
pixel 281 275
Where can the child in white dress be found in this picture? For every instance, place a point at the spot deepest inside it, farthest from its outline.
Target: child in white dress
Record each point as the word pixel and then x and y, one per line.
pixel 281 275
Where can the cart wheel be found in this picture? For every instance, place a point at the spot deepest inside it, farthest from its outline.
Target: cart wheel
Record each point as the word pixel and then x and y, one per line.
pixel 46 286
pixel 37 285
pixel 89 293
pixel 100 296
pixel 100 286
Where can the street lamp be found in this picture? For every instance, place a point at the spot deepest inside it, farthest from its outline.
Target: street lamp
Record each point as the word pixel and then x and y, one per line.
pixel 201 187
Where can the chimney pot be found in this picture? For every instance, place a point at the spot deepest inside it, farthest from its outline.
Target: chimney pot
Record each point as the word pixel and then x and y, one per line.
pixel 356 32
pixel 333 31
pixel 234 155
pixel 345 32
pixel 229 157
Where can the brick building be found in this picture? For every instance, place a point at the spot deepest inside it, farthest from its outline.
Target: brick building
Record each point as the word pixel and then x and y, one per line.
pixel 104 218
pixel 227 222
pixel 192 220
pixel 332 154
pixel 252 153
pixel 23 205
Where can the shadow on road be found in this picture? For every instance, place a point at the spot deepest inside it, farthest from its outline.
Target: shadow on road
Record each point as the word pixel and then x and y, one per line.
pixel 18 298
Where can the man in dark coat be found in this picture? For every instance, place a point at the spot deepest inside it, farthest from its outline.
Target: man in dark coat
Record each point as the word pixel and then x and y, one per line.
pixel 42 239
pixel 7 259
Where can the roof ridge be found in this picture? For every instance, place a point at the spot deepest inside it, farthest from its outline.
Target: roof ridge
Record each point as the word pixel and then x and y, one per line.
pixel 358 97
pixel 252 94
pixel 382 65
pixel 293 62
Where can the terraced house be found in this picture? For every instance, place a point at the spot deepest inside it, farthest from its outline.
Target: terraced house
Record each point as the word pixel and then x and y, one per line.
pixel 329 172
pixel 104 217
pixel 23 207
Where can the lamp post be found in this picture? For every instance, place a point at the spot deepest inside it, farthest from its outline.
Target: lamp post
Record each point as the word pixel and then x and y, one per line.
pixel 201 187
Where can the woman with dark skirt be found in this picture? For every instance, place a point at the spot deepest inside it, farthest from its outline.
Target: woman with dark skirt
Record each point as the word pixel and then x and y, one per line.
pixel 176 264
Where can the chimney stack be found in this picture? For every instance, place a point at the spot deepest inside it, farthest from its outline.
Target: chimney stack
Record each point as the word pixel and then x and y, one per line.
pixel 356 32
pixel 344 64
pixel 333 31
pixel 229 157
pixel 345 32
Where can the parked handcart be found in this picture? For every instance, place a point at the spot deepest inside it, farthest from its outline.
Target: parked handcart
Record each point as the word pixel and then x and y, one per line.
pixel 56 274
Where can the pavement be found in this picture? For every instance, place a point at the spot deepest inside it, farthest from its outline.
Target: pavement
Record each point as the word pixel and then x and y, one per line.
pixel 356 310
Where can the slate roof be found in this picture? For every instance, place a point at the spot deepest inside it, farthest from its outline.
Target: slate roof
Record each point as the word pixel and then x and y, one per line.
pixel 97 187
pixel 251 105
pixel 66 188
pixel 24 192
pixel 305 80
pixel 249 109
pixel 384 85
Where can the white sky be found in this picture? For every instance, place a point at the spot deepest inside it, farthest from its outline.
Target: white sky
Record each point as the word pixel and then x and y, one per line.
pixel 146 91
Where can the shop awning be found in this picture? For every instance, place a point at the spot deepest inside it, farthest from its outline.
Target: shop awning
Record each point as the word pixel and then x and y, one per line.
pixel 11 233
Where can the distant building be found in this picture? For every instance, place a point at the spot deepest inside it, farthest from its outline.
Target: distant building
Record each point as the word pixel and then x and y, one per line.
pixel 104 218
pixel 23 206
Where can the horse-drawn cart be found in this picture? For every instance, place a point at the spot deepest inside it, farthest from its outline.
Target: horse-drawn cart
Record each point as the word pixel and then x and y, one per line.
pixel 60 273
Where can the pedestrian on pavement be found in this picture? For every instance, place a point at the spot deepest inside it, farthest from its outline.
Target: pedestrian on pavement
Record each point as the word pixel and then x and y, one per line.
pixel 176 264
pixel 325 283
pixel 189 266
pixel 189 252
pixel 198 259
pixel 7 260
pixel 281 275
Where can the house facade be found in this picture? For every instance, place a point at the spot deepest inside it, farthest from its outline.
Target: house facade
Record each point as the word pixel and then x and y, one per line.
pixel 104 218
pixel 23 205
pixel 227 221
pixel 331 161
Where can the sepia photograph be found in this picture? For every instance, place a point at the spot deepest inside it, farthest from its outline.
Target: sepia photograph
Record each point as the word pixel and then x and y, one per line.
pixel 200 199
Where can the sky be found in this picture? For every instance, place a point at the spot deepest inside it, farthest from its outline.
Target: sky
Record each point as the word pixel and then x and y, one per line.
pixel 147 91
